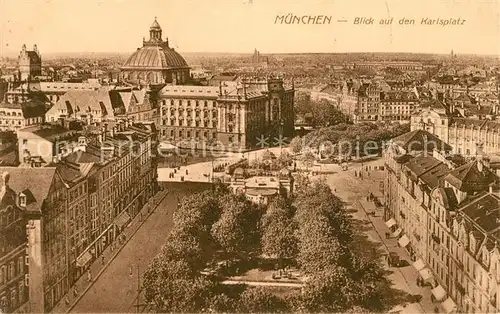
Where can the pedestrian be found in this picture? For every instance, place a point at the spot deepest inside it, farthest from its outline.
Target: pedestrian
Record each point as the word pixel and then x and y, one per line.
pixel 186 172
pixel 130 270
pixel 75 291
pixel 102 261
pixel 89 276
pixel 66 299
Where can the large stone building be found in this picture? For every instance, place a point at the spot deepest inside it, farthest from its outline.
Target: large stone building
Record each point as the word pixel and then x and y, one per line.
pixel 235 118
pixel 462 133
pixel 155 62
pixel 29 64
pixel 447 216
pixel 74 208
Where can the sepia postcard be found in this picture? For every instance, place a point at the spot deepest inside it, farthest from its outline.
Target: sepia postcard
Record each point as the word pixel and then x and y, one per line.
pixel 249 156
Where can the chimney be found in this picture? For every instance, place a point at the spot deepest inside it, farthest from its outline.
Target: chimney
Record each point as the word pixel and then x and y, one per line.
pixel 5 185
pixel 126 124
pixel 103 135
pixel 112 132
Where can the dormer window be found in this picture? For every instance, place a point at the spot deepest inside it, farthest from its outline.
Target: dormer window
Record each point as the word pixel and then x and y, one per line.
pixel 22 200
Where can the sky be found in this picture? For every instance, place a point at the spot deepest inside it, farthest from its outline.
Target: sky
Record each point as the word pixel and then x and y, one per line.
pixel 240 26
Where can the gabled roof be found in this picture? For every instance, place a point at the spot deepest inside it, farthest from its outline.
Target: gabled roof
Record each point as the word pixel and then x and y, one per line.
pixel 483 211
pixel 420 140
pixel 33 182
pixel 471 177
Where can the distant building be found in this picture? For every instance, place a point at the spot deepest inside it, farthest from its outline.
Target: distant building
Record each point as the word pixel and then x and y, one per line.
pixel 155 62
pixel 18 116
pixel 29 64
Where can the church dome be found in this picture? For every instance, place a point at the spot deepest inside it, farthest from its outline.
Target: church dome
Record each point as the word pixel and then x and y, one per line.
pixel 155 57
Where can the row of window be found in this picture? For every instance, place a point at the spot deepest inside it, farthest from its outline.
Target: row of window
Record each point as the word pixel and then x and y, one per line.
pixel 12 270
pixel 10 301
pixel 188 134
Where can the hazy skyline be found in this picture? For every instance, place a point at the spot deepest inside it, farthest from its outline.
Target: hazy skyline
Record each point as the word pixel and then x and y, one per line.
pixel 239 26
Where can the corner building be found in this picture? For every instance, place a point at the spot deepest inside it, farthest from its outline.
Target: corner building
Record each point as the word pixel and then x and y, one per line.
pixel 447 216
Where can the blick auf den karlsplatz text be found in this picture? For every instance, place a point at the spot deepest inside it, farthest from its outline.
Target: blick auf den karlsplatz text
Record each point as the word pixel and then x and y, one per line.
pixel 291 18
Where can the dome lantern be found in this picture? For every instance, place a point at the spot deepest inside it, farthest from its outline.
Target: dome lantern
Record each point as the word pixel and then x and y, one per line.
pixel 155 31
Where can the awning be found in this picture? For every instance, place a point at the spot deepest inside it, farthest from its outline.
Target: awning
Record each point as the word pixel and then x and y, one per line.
pixel 439 293
pixel 449 306
pixel 122 219
pixel 83 259
pixel 419 264
pixel 397 232
pixel 404 241
pixel 425 273
pixel 391 222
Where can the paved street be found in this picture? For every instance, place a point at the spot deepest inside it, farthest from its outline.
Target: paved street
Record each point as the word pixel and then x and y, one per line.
pixel 116 289
pixel 199 172
pixel 354 190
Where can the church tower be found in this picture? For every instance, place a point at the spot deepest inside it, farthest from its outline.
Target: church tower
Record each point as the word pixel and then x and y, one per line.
pixel 29 63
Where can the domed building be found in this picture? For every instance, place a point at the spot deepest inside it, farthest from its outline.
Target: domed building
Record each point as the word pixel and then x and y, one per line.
pixel 155 62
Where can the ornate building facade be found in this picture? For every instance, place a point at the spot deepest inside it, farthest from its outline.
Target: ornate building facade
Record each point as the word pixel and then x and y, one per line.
pixel 197 116
pixel 155 62
pixel 447 216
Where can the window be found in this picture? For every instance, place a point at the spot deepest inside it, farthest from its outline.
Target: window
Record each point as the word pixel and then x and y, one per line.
pixel 13 299
pixel 21 292
pixel 22 200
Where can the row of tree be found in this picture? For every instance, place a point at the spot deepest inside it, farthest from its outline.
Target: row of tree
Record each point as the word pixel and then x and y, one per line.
pixel 318 113
pixel 363 138
pixel 311 231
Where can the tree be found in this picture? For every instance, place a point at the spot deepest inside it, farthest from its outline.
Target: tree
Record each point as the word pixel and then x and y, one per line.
pixel 296 144
pixel 308 159
pixel 260 300
pixel 328 291
pixel 159 276
pixel 279 231
pixel 237 230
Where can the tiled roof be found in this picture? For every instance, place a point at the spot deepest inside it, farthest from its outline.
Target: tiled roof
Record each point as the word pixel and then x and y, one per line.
pixel 49 131
pixel 419 140
pixel 82 101
pixel 484 211
pixel 33 181
pixel 470 178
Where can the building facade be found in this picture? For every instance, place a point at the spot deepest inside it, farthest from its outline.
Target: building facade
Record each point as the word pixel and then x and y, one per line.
pixel 77 205
pixel 29 63
pixel 13 267
pixel 447 216
pixel 198 116
pixel 17 116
